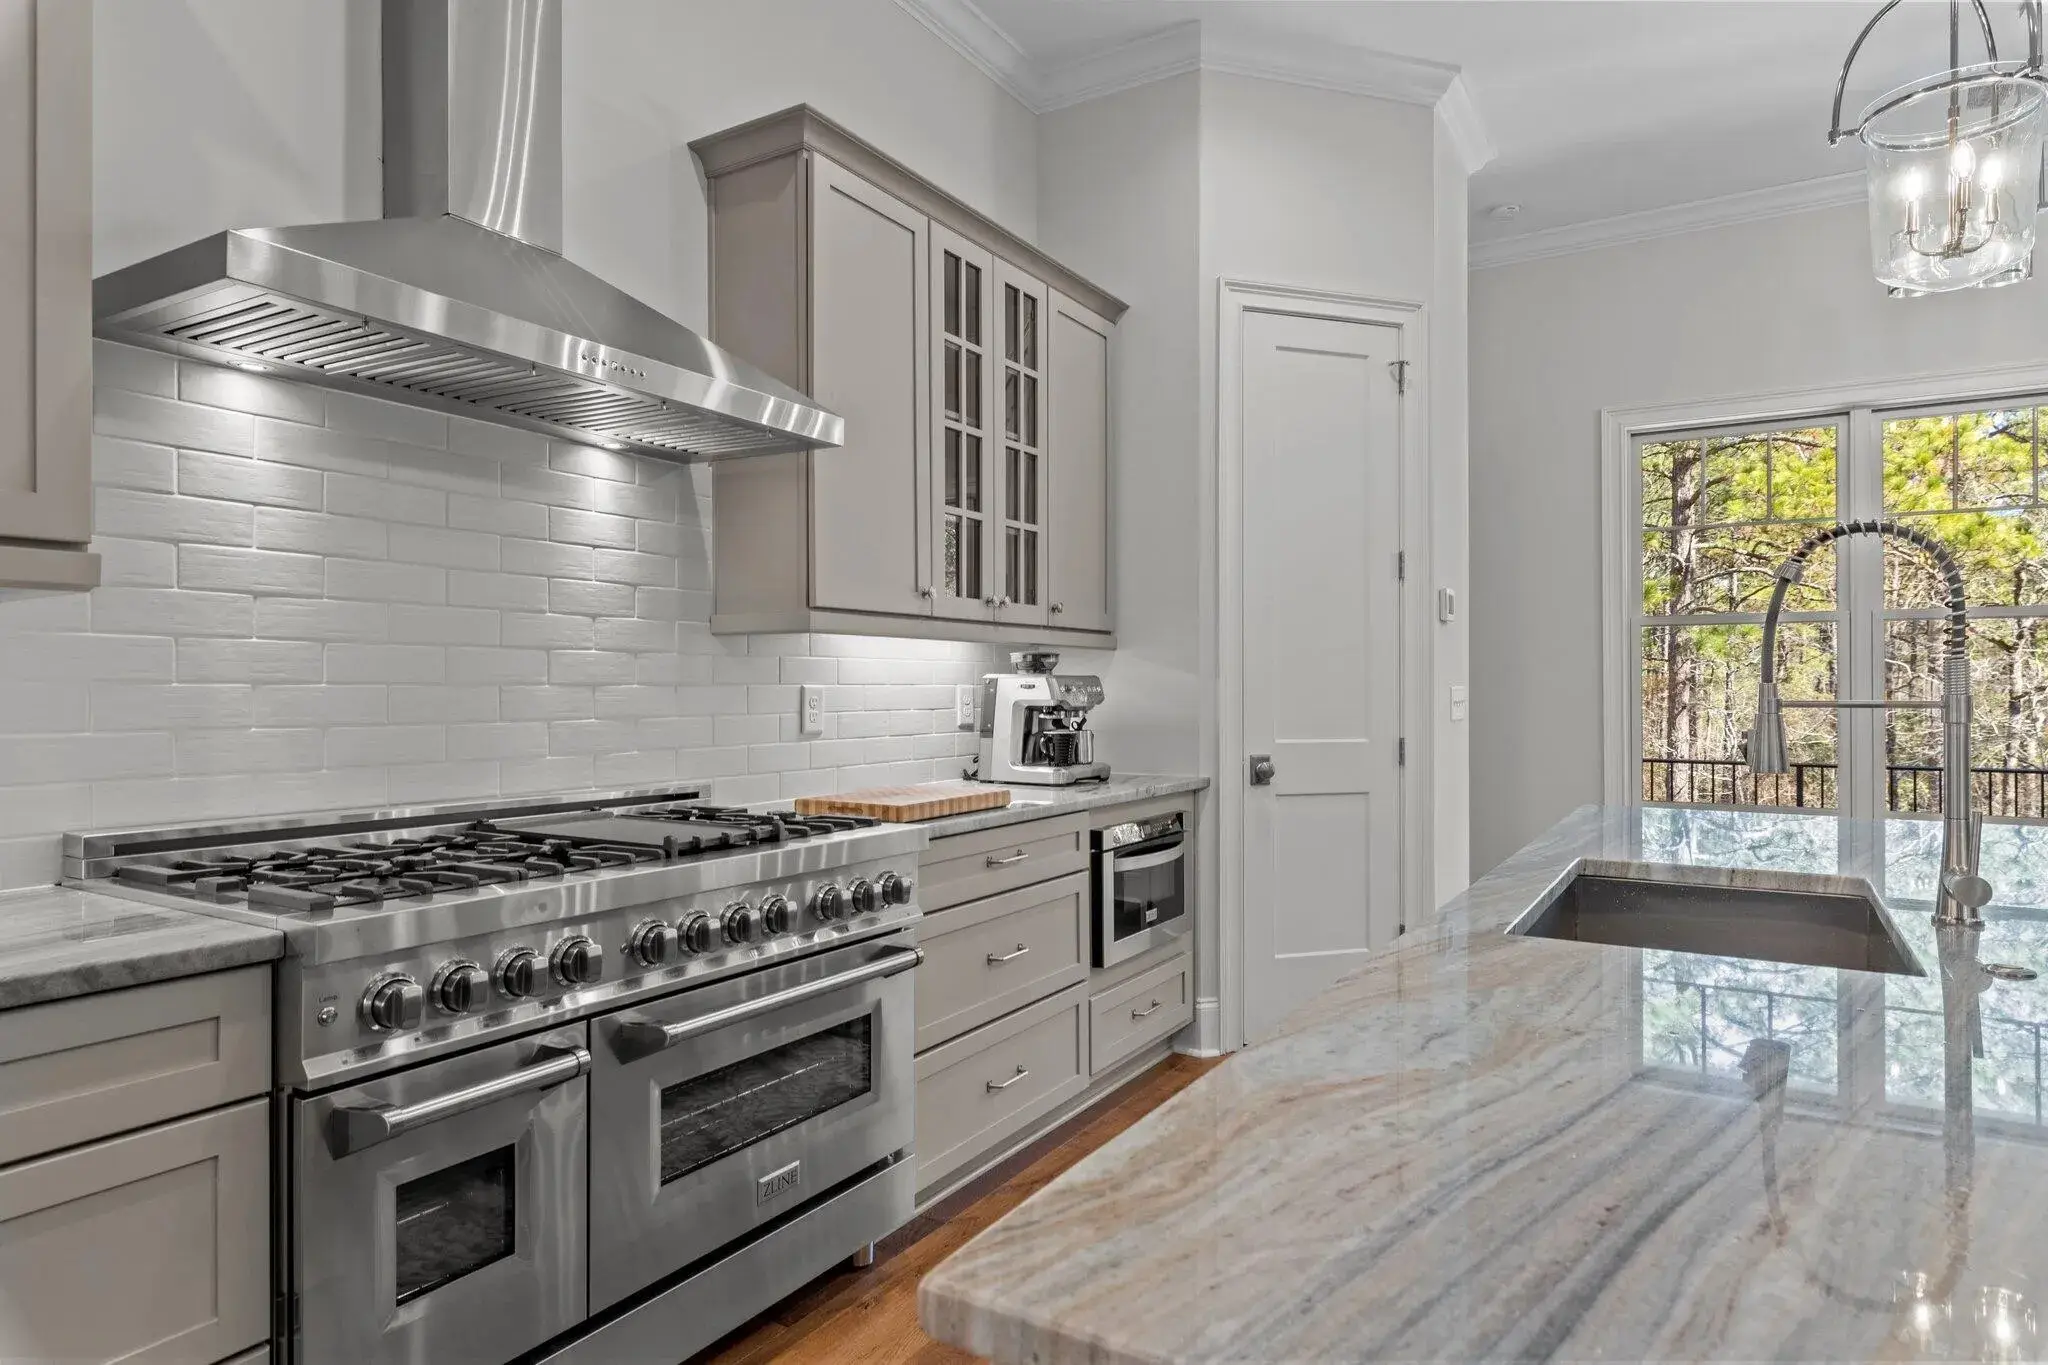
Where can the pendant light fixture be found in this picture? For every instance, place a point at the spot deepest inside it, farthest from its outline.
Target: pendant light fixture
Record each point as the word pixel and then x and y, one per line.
pixel 1956 180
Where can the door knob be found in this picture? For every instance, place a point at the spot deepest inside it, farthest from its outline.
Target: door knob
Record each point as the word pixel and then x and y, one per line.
pixel 1262 770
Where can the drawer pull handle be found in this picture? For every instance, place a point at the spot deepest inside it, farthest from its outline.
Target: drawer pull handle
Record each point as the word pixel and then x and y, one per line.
pixel 998 959
pixel 1019 856
pixel 1140 1014
pixel 1022 1072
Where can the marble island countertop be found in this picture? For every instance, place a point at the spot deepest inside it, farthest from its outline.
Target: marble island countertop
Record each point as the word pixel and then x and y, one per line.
pixel 1485 1146
pixel 56 942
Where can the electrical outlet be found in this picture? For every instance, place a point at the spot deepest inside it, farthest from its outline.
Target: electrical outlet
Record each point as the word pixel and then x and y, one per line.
pixel 810 710
pixel 963 706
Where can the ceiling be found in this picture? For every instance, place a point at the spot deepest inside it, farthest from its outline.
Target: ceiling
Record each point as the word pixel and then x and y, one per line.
pixel 1595 108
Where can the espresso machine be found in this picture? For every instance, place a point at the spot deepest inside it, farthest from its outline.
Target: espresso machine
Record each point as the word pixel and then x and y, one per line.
pixel 1034 724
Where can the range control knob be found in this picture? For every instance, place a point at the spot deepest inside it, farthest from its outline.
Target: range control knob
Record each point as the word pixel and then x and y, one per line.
pixel 393 1003
pixel 895 890
pixel 460 987
pixel 576 961
pixel 778 916
pixel 519 973
pixel 828 902
pixel 864 896
pixel 737 924
pixel 652 943
pixel 696 934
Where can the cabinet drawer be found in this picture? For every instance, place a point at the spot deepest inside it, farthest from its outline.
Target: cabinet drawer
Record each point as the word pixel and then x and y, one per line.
pixel 1127 1018
pixel 987 958
pixel 967 867
pixel 1037 1058
pixel 152 1247
pixel 75 1070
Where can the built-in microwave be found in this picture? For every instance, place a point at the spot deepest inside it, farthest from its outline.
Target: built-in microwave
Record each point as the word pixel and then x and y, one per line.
pixel 1141 886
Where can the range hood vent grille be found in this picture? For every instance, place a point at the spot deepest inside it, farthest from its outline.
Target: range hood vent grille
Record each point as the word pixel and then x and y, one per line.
pixel 341 351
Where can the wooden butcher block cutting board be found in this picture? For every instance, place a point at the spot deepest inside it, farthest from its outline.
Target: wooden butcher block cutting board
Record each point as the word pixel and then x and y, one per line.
pixel 925 801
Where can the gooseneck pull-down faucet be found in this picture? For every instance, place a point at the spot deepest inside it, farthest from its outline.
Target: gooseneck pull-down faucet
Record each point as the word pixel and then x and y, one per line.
pixel 1962 891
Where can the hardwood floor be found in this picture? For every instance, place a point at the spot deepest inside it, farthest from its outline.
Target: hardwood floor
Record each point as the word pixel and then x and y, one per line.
pixel 869 1317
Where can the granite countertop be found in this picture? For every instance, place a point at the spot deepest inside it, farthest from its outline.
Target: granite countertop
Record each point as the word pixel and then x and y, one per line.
pixel 1489 1147
pixel 1039 803
pixel 56 943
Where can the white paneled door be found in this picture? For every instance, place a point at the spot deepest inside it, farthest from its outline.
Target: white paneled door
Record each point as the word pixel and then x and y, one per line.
pixel 1321 636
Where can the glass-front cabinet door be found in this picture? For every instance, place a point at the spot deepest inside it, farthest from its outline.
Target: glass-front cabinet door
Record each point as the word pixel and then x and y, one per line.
pixel 1020 486
pixel 965 515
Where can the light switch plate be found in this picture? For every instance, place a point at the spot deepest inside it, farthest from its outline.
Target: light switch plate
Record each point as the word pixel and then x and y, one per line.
pixel 810 710
pixel 1457 702
pixel 963 706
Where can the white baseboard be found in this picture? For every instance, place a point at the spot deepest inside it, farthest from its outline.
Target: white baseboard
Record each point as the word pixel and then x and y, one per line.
pixel 1204 1037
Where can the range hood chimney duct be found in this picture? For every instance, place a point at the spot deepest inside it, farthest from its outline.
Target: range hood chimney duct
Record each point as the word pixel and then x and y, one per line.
pixel 459 297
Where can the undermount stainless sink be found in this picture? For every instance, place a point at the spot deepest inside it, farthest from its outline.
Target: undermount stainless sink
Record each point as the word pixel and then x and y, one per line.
pixel 1840 924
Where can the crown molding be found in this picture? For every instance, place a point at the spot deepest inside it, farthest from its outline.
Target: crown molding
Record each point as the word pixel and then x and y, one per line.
pixel 1464 127
pixel 1199 45
pixel 962 26
pixel 1779 201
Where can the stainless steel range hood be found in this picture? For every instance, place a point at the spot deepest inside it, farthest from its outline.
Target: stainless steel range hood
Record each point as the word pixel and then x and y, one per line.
pixel 458 298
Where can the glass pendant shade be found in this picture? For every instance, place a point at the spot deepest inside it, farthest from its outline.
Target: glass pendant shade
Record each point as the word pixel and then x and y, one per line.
pixel 1955 181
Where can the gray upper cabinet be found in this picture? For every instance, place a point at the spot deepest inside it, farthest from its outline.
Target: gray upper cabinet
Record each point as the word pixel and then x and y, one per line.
pixel 933 332
pixel 1078 434
pixel 46 294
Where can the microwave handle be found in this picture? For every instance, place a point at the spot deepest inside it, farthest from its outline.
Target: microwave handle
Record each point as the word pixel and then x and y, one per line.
pixel 633 1039
pixel 1145 860
pixel 351 1128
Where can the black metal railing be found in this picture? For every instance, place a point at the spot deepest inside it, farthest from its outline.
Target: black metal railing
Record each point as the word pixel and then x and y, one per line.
pixel 2004 793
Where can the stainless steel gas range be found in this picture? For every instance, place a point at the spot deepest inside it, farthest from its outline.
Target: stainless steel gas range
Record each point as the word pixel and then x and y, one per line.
pixel 587 1078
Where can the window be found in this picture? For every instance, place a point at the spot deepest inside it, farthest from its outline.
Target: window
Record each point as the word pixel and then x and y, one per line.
pixel 1720 509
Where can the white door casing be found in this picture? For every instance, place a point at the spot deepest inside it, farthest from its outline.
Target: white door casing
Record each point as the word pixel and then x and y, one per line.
pixel 1321 536
pixel 1320 489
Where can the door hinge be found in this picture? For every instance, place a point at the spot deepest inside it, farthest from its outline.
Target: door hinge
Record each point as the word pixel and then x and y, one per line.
pixel 1400 369
pixel 1401 565
pixel 1401 753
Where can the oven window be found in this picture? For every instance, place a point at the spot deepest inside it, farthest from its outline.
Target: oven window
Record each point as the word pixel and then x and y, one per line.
pixel 719 1112
pixel 453 1222
pixel 1147 898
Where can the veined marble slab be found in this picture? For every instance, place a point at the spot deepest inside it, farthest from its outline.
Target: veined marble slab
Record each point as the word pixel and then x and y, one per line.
pixel 1489 1147
pixel 56 942
pixel 1039 803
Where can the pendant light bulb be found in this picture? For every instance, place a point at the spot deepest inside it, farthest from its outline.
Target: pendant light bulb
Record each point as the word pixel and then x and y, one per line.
pixel 1962 161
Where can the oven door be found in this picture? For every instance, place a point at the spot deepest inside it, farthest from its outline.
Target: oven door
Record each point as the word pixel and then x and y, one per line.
pixel 1141 894
pixel 439 1212
pixel 719 1109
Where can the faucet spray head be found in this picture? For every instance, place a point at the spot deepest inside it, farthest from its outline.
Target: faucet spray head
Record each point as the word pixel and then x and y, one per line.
pixel 1765 750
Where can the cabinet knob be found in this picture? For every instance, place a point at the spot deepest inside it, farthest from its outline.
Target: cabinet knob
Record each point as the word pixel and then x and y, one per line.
pixel 1057 608
pixel 991 603
pixel 925 593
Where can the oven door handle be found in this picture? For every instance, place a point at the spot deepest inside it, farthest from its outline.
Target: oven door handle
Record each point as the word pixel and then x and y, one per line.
pixel 1145 860
pixel 352 1127
pixel 633 1039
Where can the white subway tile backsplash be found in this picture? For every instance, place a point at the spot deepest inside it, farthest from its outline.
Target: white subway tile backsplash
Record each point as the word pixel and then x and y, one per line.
pixel 251 661
pixel 574 527
pixel 381 581
pixel 160 516
pixel 410 703
pixel 283 528
pixel 270 572
pixel 143 611
pixel 322 601
pixel 134 464
pixel 237 478
pixel 445 546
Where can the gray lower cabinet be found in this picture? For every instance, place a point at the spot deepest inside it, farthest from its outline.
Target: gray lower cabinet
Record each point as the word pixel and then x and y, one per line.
pixel 144 1248
pixel 135 1213
pixel 997 1081
pixel 936 334
pixel 46 294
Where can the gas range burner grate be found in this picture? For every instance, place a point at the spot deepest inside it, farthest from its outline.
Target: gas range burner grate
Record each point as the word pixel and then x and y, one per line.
pixel 767 827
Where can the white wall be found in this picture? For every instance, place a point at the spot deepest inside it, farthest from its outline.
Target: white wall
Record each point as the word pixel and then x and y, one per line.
pixel 234 113
pixel 1450 500
pixel 1757 308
